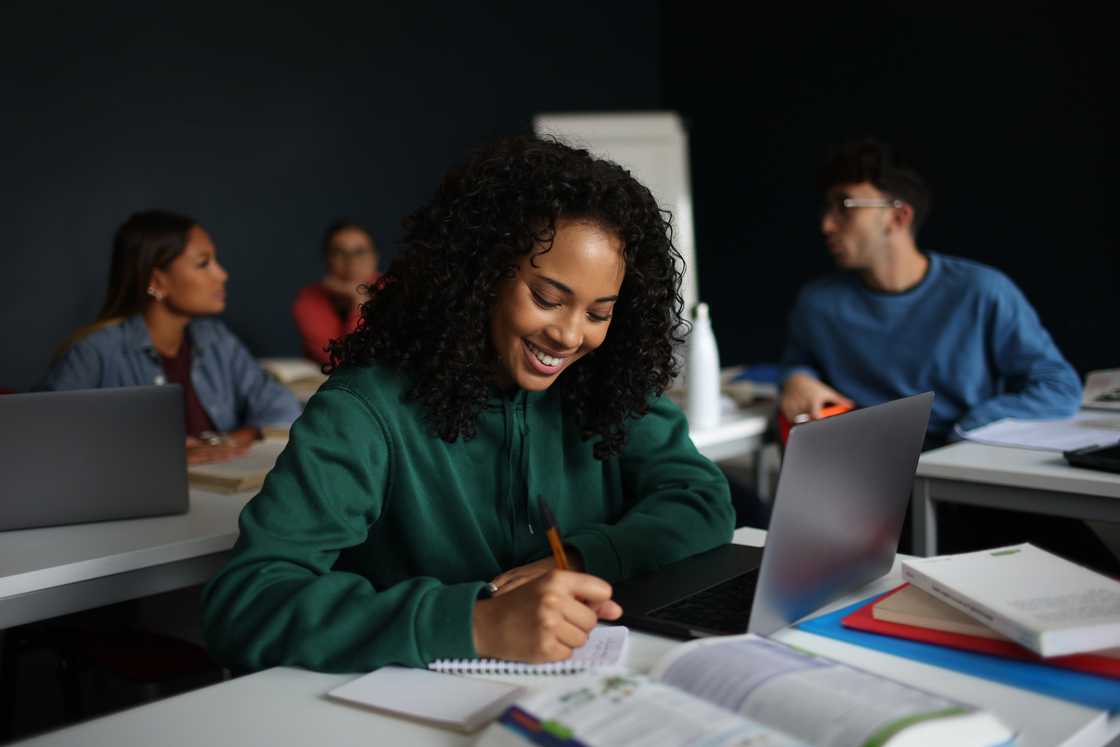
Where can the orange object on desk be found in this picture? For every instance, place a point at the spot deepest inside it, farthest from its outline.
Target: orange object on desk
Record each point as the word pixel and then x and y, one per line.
pixel 826 412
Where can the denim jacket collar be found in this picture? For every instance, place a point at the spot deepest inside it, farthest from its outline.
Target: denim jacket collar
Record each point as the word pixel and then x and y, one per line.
pixel 136 336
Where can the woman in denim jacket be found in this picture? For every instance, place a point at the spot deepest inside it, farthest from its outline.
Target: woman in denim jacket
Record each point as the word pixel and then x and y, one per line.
pixel 164 282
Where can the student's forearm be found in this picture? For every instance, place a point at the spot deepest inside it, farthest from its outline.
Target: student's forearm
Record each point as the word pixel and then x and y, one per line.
pixel 666 526
pixel 1039 400
pixel 274 613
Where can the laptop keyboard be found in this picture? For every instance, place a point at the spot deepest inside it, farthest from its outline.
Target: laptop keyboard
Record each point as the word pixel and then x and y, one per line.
pixel 724 607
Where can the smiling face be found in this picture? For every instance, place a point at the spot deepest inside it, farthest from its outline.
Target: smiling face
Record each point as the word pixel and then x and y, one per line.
pixel 194 284
pixel 557 306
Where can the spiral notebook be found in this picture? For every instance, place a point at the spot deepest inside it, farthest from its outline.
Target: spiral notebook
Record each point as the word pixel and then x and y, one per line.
pixel 605 647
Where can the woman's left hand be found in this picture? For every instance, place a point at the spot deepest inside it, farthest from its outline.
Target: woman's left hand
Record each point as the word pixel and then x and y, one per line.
pixel 523 574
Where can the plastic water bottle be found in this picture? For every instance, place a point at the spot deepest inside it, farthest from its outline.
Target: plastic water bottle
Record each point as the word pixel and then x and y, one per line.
pixel 702 372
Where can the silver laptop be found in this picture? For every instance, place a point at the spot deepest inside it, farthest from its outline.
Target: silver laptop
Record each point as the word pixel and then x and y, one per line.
pixel 838 513
pixel 91 455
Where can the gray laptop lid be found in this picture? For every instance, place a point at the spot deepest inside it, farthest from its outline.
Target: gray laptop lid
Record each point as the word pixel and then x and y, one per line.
pixel 839 508
pixel 91 455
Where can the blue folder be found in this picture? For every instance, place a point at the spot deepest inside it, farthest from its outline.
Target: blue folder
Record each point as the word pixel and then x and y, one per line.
pixel 1079 687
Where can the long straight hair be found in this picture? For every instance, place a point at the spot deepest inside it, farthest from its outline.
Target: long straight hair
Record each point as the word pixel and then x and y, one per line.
pixel 147 241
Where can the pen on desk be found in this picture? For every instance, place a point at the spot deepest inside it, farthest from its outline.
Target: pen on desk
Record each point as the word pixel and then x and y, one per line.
pixel 553 535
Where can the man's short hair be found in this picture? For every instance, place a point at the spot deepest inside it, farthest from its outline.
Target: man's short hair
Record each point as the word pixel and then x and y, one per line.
pixel 869 160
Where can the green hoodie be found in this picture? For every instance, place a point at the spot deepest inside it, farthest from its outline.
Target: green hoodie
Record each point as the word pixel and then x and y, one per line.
pixel 371 539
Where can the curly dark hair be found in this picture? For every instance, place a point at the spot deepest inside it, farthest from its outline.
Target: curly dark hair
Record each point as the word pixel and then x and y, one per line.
pixel 429 315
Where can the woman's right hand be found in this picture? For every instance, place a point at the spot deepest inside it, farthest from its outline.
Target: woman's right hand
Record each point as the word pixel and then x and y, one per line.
pixel 544 619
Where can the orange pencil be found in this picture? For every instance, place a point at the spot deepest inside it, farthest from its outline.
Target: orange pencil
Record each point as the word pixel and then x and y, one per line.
pixel 553 536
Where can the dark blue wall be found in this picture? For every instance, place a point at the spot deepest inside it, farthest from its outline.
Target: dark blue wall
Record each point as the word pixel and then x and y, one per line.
pixel 265 123
pixel 1011 112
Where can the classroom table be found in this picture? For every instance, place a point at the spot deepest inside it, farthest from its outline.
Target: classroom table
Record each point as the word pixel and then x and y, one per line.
pixel 737 434
pixel 285 706
pixel 54 571
pixel 1004 477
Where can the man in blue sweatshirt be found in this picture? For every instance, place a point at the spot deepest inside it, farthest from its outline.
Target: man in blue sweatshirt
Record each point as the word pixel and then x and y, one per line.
pixel 899 321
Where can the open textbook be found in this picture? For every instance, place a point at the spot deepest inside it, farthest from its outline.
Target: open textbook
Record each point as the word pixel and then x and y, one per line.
pixel 246 472
pixel 742 690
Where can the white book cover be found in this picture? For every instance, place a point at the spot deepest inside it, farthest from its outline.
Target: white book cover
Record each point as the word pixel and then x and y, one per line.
pixel 289 370
pixel 460 703
pixel 1042 601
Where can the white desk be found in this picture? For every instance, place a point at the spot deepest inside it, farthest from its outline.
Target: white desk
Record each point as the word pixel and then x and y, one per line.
pixel 284 706
pixel 57 570
pixel 1003 477
pixel 736 435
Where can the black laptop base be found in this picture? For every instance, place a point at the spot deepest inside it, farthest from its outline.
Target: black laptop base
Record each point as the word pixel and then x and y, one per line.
pixel 661 602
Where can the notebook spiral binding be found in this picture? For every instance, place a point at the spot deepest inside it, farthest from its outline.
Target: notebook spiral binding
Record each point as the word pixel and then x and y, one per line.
pixel 499 666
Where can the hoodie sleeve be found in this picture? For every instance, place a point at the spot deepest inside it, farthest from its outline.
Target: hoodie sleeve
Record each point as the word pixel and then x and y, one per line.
pixel 1036 381
pixel 279 600
pixel 679 503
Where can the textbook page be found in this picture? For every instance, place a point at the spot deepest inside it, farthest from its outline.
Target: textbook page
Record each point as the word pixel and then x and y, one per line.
pixel 626 710
pixel 246 472
pixel 1083 429
pixel 820 701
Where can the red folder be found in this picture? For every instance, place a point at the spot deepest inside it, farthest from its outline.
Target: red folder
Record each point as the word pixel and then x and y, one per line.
pixel 862 619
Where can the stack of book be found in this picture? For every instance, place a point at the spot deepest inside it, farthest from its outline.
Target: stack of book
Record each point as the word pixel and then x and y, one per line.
pixel 1017 602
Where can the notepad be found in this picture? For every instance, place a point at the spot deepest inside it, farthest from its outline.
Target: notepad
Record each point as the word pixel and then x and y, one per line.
pixel 246 472
pixel 605 647
pixel 458 703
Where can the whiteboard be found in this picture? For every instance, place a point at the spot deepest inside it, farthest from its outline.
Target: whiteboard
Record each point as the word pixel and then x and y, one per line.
pixel 653 146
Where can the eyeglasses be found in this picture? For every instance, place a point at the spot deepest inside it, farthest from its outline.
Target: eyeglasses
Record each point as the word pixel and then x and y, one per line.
pixel 839 206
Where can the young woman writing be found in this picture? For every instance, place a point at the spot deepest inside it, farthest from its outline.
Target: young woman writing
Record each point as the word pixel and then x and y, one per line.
pixel 521 346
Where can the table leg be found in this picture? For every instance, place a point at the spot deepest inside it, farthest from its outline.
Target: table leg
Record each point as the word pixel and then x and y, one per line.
pixel 923 515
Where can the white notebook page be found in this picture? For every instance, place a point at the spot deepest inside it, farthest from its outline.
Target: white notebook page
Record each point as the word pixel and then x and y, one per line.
pixel 605 647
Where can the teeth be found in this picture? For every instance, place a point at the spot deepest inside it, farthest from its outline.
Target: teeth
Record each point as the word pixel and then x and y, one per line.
pixel 548 360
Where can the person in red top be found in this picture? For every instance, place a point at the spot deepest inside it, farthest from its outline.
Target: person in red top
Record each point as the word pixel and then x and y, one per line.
pixel 330 308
